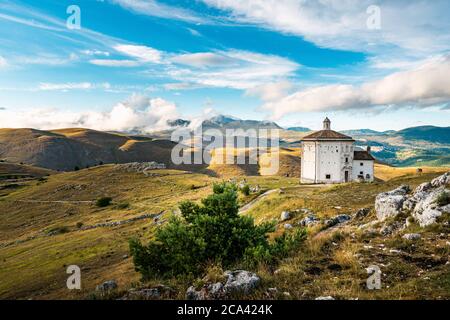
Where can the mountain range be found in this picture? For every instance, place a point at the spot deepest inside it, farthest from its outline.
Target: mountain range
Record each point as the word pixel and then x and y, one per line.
pixel 69 149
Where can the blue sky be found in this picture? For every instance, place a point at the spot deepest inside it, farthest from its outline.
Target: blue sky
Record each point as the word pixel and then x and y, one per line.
pixel 138 63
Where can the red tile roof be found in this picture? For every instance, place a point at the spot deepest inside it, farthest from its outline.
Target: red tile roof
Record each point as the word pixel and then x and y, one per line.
pixel 362 155
pixel 327 135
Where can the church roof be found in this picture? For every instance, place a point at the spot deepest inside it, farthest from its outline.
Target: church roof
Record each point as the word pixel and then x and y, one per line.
pixel 327 135
pixel 362 155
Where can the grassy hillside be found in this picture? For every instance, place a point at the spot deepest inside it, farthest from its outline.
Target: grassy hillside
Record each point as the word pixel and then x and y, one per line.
pixel 48 225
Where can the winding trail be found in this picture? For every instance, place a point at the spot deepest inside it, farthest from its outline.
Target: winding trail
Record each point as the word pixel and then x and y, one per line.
pixel 252 203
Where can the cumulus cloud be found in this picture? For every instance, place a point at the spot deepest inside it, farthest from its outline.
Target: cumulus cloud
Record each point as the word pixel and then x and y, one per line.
pixel 425 86
pixel 138 113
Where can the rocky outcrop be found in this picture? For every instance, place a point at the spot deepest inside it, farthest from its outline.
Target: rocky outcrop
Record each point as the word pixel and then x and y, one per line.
pixel 423 204
pixel 309 221
pixel 285 216
pixel 140 167
pixel 337 220
pixel 237 282
pixel 389 204
pixel 106 286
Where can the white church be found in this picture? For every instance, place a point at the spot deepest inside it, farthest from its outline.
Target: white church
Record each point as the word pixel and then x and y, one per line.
pixel 331 157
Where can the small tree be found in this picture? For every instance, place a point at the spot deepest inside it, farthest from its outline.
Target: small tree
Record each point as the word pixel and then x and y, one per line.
pixel 103 202
pixel 211 232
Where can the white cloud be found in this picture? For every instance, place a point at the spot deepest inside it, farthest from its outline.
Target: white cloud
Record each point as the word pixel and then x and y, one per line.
pixel 155 9
pixel 96 53
pixel 270 91
pixel 114 63
pixel 421 87
pixel 138 113
pixel 141 53
pixel 247 70
pixel 205 60
pixel 408 24
pixel 72 86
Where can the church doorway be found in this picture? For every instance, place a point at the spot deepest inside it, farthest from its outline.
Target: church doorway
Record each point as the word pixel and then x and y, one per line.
pixel 346 176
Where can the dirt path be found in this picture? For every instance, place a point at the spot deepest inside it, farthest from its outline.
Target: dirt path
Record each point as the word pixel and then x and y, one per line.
pixel 252 203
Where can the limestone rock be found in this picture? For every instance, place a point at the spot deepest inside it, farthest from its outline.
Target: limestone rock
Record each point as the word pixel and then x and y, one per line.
pixel 285 215
pixel 337 220
pixel 325 298
pixel 107 286
pixel 241 281
pixel 389 204
pixel 309 220
pixel 412 236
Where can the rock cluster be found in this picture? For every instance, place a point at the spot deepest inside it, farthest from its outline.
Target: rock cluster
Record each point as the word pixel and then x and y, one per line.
pixel 422 203
pixel 140 167
pixel 237 282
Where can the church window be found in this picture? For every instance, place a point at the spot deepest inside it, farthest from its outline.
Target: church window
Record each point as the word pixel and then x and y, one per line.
pixel 361 173
pixel 328 176
pixel 361 164
pixel 346 160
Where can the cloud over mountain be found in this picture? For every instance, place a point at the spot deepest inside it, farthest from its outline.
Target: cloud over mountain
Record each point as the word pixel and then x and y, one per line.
pixel 138 113
pixel 425 86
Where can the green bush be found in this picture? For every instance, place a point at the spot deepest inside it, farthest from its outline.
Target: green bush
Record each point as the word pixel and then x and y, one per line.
pixel 246 190
pixel 103 202
pixel 212 232
pixel 443 199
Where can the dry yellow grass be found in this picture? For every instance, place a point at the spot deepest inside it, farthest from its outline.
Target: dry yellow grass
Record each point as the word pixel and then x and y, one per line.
pixel 385 172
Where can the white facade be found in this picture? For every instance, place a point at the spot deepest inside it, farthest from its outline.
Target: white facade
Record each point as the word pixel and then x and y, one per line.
pixel 329 157
pixel 363 170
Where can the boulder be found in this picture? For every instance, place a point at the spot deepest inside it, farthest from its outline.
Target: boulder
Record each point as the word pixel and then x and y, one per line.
pixel 288 226
pixel 426 209
pixel 389 204
pixel 325 298
pixel 362 213
pixel 389 229
pixel 214 291
pixel 441 181
pixel 285 215
pixel 337 220
pixel 241 281
pixel 412 236
pixel 309 220
pixel 106 286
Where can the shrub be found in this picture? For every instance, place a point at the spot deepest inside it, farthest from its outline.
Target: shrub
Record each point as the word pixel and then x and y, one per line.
pixel 79 225
pixel 212 232
pixel 103 202
pixel 76 168
pixel 443 199
pixel 246 190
